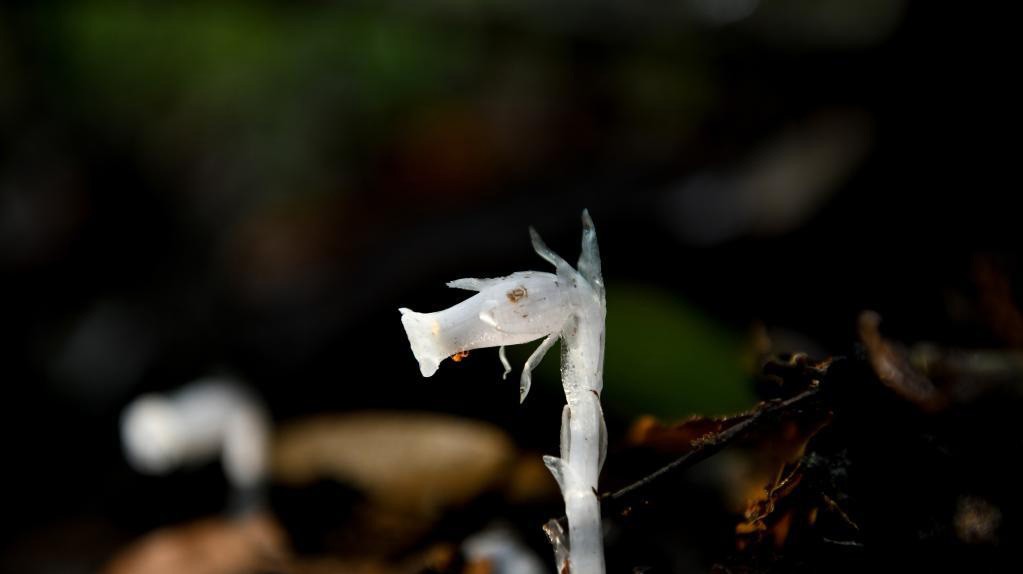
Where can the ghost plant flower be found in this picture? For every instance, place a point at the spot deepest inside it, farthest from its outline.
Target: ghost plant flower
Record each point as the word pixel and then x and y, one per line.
pixel 523 307
pixel 205 419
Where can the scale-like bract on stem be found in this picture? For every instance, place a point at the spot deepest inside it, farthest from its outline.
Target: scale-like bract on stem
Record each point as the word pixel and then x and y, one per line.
pixel 522 307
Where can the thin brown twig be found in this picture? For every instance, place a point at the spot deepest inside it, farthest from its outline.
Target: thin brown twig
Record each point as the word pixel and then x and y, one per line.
pixel 704 449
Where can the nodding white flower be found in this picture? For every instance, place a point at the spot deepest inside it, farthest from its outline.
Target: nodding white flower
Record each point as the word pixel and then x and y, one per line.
pixel 512 310
pixel 523 307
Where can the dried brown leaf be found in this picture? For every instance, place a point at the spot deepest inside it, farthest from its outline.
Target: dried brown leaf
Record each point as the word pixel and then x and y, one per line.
pixel 679 438
pixel 208 546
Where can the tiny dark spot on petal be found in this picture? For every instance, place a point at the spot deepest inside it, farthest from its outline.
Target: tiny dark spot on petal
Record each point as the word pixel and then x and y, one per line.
pixel 517 294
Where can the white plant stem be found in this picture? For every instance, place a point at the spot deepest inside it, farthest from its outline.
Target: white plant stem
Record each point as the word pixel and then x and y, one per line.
pixel 523 307
pixel 583 440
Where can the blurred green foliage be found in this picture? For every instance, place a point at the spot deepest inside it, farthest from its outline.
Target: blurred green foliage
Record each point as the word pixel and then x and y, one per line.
pixel 250 101
pixel 667 358
pixel 242 57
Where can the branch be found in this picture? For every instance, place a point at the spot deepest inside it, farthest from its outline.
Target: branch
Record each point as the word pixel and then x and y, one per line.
pixel 704 449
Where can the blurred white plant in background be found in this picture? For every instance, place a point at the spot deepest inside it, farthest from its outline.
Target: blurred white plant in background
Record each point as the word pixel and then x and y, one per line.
pixel 208 418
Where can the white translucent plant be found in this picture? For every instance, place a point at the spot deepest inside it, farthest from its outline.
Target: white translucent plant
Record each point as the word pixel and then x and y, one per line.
pixel 208 418
pixel 522 307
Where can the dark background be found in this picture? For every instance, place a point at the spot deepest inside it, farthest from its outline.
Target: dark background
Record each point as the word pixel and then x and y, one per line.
pixel 255 188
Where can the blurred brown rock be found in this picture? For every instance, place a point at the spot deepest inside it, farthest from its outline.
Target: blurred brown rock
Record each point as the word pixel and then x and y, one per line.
pixel 408 462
